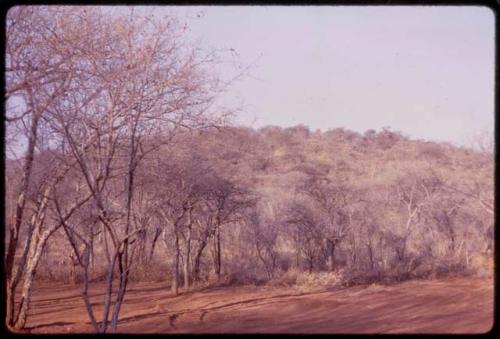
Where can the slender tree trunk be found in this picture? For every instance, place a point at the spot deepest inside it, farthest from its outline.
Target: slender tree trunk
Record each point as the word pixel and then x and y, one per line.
pixel 85 297
pixel 331 254
pixel 105 243
pixel 175 265
pixel 123 257
pixel 197 260
pixel 26 291
pixel 72 273
pixel 217 252
pixel 120 295
pixel 36 249
pixel 155 239
pixel 107 295
pixel 12 284
pixel 370 255
pixel 452 243
pixel 264 262
pixel 15 225
pixel 354 256
pixel 91 254
pixel 37 242
pixel 142 249
pixel 187 263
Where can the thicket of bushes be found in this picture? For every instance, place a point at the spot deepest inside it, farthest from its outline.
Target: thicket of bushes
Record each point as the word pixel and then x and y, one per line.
pixel 393 208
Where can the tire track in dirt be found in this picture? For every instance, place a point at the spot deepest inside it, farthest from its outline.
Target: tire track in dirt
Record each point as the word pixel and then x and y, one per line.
pixel 464 304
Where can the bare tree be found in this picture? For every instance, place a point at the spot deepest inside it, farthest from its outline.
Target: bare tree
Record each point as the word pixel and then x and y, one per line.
pixel 35 80
pixel 264 238
pixel 306 233
pixel 333 201
pixel 113 97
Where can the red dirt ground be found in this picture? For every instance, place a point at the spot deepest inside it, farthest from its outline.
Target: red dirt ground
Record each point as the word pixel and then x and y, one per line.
pixel 460 305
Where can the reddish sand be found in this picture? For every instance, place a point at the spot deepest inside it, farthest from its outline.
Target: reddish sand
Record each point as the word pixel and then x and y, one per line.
pixel 461 305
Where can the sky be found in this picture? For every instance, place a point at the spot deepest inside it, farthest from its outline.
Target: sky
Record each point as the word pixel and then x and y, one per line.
pixel 427 72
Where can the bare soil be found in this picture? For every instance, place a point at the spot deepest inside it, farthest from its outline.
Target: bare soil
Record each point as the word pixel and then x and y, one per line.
pixel 458 305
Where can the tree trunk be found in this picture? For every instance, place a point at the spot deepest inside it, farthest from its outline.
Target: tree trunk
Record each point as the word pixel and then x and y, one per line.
pixel 187 263
pixel 36 248
pixel 122 288
pixel 107 294
pixel 92 267
pixel 331 254
pixel 141 246
pixel 12 284
pixel 72 273
pixel 297 258
pixel 175 265
pixel 264 262
pixel 370 255
pixel 105 244
pixel 123 257
pixel 217 252
pixel 197 260
pixel 155 239
pixel 15 224
pixel 87 301
pixel 26 293
pixel 310 261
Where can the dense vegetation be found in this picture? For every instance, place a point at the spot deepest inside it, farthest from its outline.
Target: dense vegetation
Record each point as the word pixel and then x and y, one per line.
pixel 250 205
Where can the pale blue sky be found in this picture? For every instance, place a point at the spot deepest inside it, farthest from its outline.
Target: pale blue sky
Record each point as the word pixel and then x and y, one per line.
pixel 425 71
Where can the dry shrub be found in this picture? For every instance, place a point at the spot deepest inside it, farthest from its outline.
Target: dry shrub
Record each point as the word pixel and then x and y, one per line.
pixel 375 287
pixel 482 265
pixel 360 276
pixel 306 280
pixel 320 279
pixel 212 279
pixel 286 278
